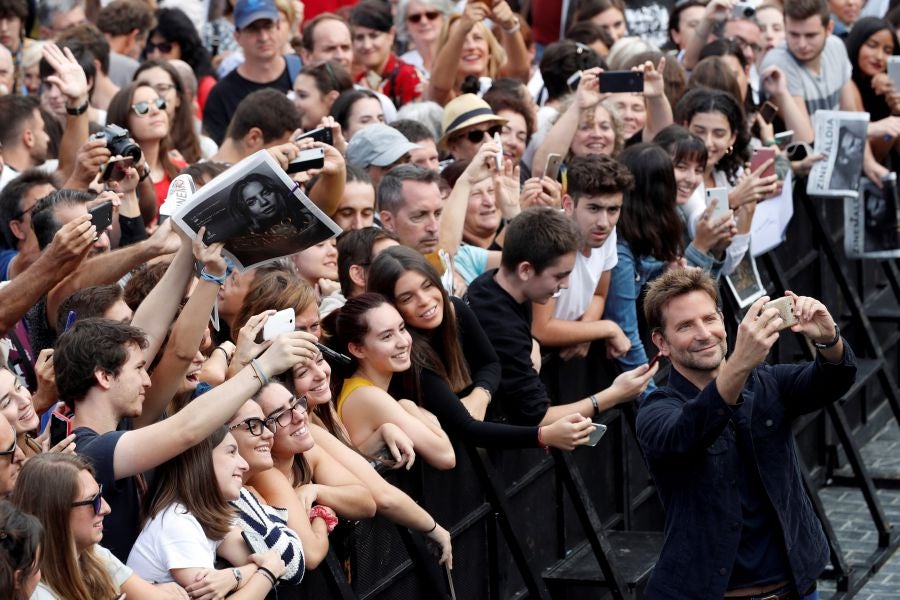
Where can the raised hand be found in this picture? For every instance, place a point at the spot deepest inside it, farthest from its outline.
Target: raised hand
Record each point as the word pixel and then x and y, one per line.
pixel 69 77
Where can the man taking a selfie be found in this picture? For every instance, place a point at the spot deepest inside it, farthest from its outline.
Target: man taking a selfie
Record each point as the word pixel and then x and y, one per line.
pixel 718 442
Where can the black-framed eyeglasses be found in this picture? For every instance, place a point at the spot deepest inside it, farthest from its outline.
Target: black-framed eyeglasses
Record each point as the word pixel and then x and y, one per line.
pixel 142 109
pixel 22 213
pixel 284 417
pixel 431 15
pixel 11 451
pixel 476 136
pixel 164 47
pixel 95 501
pixel 254 425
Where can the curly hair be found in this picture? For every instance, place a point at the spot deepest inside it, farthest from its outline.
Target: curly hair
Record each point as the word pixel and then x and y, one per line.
pixel 704 100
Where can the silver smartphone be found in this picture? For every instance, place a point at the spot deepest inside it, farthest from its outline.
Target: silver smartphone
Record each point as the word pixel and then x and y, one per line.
pixel 596 434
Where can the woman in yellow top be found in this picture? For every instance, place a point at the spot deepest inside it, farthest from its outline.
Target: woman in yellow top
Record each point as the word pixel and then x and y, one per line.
pixel 370 330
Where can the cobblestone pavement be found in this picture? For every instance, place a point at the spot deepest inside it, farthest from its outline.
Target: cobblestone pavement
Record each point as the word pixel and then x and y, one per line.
pixel 847 511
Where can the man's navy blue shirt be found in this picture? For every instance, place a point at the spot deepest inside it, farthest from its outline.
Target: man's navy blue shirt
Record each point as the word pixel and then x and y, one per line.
pixel 703 454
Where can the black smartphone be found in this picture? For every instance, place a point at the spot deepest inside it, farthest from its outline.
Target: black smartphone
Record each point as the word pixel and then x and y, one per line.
pixel 116 168
pixel 60 427
pixel 655 360
pixel 334 355
pixel 322 134
pixel 768 111
pixel 617 82
pixel 798 151
pixel 311 158
pixel 101 216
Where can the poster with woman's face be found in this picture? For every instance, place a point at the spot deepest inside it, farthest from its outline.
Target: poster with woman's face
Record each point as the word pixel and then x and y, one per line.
pixel 257 211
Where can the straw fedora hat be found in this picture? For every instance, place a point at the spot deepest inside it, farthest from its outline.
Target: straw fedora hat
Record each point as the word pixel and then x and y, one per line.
pixel 465 111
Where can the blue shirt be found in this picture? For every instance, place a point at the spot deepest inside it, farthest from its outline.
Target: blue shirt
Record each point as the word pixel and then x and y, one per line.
pixel 702 453
pixel 6 257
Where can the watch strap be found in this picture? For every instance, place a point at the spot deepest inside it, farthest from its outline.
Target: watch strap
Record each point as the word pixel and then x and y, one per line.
pixel 833 342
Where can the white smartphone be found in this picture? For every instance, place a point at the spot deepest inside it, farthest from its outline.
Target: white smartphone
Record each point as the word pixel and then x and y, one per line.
pixel 720 195
pixel 894 71
pixel 596 434
pixel 280 322
pixel 499 142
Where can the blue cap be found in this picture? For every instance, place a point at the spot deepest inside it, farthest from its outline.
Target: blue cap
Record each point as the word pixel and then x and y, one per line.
pixel 248 11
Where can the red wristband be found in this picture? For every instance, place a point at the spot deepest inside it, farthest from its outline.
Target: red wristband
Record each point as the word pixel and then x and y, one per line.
pixel 324 513
pixel 541 442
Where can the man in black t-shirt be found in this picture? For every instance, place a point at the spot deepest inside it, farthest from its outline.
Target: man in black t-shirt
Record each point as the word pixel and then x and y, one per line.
pixel 256 23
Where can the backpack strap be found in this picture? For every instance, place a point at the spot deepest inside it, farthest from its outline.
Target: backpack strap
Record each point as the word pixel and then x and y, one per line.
pixel 294 64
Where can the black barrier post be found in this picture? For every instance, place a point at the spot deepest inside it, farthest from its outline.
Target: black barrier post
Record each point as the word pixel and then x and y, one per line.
pixel 490 482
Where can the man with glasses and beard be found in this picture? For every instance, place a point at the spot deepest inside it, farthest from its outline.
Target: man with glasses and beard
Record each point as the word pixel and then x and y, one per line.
pixel 718 441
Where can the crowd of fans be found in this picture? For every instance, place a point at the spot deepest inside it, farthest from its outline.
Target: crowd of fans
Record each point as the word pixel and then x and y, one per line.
pixel 503 213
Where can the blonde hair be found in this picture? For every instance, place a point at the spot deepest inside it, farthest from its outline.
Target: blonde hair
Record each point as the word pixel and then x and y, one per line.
pixel 496 52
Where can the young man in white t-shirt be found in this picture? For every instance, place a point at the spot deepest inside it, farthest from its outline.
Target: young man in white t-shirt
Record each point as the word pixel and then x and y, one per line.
pixel 572 320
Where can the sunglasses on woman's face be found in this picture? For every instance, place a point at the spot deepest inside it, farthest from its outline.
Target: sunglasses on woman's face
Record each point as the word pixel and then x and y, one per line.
pixel 96 501
pixel 142 109
pixel 476 136
pixel 164 47
pixel 431 15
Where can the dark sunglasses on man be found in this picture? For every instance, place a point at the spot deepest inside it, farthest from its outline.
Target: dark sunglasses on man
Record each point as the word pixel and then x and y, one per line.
pixel 476 136
pixel 431 15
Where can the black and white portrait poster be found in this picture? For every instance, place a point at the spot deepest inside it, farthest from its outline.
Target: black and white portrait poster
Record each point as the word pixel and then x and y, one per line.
pixel 871 221
pixel 744 281
pixel 841 137
pixel 258 211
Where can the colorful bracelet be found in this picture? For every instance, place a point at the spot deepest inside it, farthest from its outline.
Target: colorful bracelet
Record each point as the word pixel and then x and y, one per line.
pixel 323 512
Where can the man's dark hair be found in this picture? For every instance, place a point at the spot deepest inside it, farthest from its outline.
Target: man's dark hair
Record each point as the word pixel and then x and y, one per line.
pixel 267 109
pixel 539 236
pixel 373 14
pixel 563 59
pixel 14 8
pixel 675 14
pixel 588 32
pixel 355 248
pixel 87 303
pixel 413 130
pixel 329 76
pixel 390 189
pixel 121 17
pixel 44 222
pixel 89 345
pixel 355 173
pixel 11 200
pixel 89 37
pixel 85 60
pixel 309 29
pixel 14 112
pixel 800 10
pixel 597 175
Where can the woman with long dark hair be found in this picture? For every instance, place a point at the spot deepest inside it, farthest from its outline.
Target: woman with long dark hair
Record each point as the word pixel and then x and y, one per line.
pixel 650 239
pixel 455 370
pixel 371 331
pixel 869 45
pixel 140 109
pixel 188 522
pixel 183 135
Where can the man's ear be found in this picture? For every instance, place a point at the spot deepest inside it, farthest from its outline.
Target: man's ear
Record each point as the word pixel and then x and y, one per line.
pixel 524 271
pixel 358 276
pixel 659 340
pixel 568 204
pixel 104 379
pixel 387 220
pixel 27 137
pixel 304 56
pixel 253 139
pixel 17 229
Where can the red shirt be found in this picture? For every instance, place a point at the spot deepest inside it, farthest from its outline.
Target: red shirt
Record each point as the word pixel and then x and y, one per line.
pixel 311 8
pixel 545 18
pixel 400 81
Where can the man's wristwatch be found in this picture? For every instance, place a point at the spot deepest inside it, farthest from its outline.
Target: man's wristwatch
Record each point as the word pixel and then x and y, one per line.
pixel 238 577
pixel 832 343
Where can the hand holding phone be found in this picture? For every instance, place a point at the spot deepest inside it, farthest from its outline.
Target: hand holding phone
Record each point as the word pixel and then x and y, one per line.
pixel 551 168
pixel 101 216
pixel 785 308
pixel 60 426
pixel 720 195
pixel 311 158
pixel 596 434
pixel 759 157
